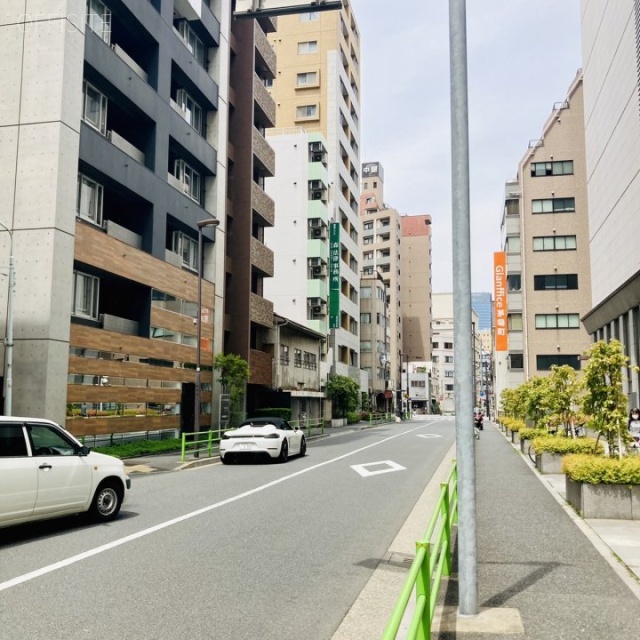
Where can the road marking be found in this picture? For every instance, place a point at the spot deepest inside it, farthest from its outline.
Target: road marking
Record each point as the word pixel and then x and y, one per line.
pixel 428 435
pixel 363 469
pixel 8 584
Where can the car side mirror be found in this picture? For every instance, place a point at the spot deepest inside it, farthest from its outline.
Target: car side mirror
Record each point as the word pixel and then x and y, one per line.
pixel 83 451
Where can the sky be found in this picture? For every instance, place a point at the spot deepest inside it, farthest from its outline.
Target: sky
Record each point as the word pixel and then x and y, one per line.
pixel 522 57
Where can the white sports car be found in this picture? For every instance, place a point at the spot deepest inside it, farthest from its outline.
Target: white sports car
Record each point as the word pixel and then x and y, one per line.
pixel 272 438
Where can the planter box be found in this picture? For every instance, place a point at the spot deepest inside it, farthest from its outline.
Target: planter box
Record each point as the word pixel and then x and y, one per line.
pixel 610 501
pixel 515 437
pixel 549 462
pixel 524 445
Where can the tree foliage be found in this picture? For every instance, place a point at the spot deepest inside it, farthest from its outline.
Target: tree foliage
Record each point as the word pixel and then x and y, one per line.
pixel 604 399
pixel 233 373
pixel 563 391
pixel 344 393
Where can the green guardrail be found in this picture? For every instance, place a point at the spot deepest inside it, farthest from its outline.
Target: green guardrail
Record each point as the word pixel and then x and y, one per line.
pixel 433 560
pixel 381 418
pixel 198 443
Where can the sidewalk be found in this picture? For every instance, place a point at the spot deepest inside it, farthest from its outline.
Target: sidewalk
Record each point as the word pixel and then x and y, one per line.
pixel 544 573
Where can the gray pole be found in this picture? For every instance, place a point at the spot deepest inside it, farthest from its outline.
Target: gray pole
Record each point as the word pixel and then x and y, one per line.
pixel 8 406
pixel 463 348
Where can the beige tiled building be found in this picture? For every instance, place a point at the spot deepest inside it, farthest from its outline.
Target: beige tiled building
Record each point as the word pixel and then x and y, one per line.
pixel 317 89
pixel 546 239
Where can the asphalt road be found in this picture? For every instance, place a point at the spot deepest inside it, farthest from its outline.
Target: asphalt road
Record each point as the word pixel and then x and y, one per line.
pixel 260 551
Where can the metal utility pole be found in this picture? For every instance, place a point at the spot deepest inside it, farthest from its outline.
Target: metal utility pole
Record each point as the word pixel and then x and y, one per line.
pixel 8 354
pixel 463 348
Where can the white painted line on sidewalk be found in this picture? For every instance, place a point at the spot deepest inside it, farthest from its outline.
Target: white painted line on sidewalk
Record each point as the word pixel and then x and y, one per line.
pixel 389 465
pixel 427 436
pixel 8 584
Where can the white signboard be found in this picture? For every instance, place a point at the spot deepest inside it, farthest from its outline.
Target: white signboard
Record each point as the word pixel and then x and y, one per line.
pixel 249 8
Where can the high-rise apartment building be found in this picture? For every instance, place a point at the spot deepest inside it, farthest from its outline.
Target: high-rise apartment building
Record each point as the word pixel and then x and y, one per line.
pixel 248 315
pixel 415 283
pixel 545 236
pixel 380 253
pixel 113 131
pixel 610 41
pixel 482 304
pixel 317 88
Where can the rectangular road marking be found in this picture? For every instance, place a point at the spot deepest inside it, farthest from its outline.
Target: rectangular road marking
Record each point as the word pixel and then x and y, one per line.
pixel 387 466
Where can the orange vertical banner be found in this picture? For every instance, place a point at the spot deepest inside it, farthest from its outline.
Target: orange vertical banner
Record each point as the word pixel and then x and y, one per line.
pixel 500 300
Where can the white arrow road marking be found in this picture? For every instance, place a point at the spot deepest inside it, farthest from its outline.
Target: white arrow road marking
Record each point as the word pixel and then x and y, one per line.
pixel 389 466
pixel 428 435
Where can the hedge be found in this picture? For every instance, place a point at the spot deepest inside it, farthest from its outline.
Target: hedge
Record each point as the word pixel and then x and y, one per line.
pixel 562 445
pixel 530 433
pixel 599 470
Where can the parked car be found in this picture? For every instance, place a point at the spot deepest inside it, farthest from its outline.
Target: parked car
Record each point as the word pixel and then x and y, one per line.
pixel 272 438
pixel 46 473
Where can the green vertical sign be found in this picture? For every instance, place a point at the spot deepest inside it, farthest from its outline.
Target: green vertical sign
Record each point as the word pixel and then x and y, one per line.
pixel 334 275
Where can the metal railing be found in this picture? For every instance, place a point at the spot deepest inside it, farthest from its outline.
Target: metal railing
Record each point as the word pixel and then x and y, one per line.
pixel 433 560
pixel 381 418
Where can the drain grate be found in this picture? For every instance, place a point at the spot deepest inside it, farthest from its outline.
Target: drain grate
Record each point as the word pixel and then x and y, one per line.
pixel 400 560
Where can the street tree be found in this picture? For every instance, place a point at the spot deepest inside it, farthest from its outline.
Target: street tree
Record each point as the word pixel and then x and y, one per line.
pixel 344 394
pixel 233 373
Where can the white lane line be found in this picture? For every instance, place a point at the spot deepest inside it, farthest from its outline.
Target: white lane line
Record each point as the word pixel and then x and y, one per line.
pixel 8 584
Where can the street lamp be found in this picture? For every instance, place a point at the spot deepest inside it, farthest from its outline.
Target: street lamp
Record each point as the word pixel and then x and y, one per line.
pixel 210 222
pixel 8 360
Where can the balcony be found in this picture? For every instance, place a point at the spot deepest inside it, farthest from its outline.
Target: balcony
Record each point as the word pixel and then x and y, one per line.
pixel 265 52
pixel 263 152
pixel 264 101
pixel 119 325
pixel 124 145
pixel 123 234
pixel 262 204
pixel 261 311
pixel 262 257
pixel 131 63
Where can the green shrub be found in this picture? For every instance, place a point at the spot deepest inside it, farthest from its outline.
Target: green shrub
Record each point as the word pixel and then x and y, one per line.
pixel 141 447
pixel 599 470
pixel 353 416
pixel 529 434
pixel 513 424
pixel 274 412
pixel 562 445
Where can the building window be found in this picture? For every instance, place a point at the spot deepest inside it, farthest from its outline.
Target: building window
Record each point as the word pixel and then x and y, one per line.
pixel 192 110
pixel 187 247
pixel 89 200
pixel 284 354
pixel 514 322
pixel 553 205
pixel 365 345
pixel 516 361
pixel 86 291
pixel 512 245
pixel 555 281
pixel 191 40
pixel 435 359
pixel 554 243
pixel 544 363
pixel 365 318
pixel 189 178
pixel 448 373
pixel 310 46
pixel 297 358
pixel 307 112
pixel 94 108
pixel 435 345
pixel 448 387
pixel 310 16
pixel 514 282
pixel 309 78
pixel 555 168
pixel 557 321
pixel 448 345
pixel 99 19
pixel 448 359
pixel 365 292
pixel 367 226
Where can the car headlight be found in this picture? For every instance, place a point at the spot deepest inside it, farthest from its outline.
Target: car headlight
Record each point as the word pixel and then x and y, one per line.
pixel 225 437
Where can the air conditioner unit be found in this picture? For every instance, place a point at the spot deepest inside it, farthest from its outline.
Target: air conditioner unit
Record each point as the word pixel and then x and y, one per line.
pixel 317 271
pixel 316 195
pixel 317 157
pixel 315 146
pixel 318 309
pixel 316 184
pixel 319 232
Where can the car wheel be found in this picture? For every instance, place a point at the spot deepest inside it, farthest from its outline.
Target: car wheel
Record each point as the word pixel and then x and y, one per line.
pixel 225 459
pixel 106 502
pixel 284 451
pixel 303 447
